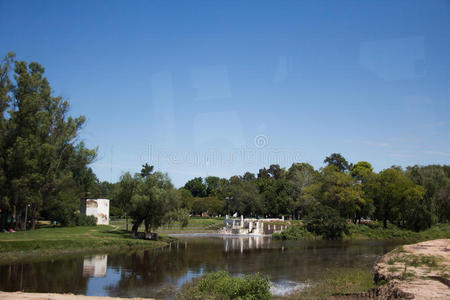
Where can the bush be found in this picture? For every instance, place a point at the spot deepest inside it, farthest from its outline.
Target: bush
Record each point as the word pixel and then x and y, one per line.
pixel 325 221
pixel 83 220
pixel 220 285
pixel 294 233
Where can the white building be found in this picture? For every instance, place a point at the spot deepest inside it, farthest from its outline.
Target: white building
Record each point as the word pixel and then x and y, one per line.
pixel 99 208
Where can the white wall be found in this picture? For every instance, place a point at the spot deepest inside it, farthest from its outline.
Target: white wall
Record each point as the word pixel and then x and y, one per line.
pixel 103 212
pixel 98 208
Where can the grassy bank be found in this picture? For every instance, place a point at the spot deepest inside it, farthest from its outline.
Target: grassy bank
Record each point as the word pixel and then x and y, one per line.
pixel 373 231
pixel 376 231
pixel 40 243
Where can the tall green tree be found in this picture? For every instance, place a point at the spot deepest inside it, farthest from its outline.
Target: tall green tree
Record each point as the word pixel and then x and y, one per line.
pixel 299 176
pixel 6 89
pixel 125 191
pixel 40 136
pixel 363 174
pixel 248 176
pixel 243 197
pixel 151 202
pixel 339 161
pixel 338 190
pixel 436 181
pixel 275 194
pixel 398 198
pixel 212 185
pixel 197 187
pixel 146 170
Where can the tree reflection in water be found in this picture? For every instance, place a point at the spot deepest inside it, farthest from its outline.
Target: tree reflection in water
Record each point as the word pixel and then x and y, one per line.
pixel 60 276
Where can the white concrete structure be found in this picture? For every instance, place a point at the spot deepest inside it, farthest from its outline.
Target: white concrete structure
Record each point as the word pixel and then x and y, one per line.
pixel 253 226
pixel 99 208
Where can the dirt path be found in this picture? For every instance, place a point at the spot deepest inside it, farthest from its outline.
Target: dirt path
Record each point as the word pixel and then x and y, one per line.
pixel 47 296
pixel 418 271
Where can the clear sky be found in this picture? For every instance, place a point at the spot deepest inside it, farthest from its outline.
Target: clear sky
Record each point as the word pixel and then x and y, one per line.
pixel 201 88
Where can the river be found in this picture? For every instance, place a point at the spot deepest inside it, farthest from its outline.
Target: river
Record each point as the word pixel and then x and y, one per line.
pixel 160 273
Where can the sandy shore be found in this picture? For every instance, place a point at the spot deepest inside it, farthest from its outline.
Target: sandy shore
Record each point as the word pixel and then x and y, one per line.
pixel 47 296
pixel 417 271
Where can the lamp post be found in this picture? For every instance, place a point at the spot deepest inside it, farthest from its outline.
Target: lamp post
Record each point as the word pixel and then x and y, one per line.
pixel 26 210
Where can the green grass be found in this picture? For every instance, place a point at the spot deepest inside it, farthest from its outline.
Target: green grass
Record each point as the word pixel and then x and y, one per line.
pixel 196 224
pixel 405 264
pixel 40 243
pixel 412 260
pixel 375 231
pixel 423 260
pixel 393 269
pixel 340 281
pixel 407 275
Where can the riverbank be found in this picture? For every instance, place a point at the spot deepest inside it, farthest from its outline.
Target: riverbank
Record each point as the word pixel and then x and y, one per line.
pixel 48 296
pixel 375 231
pixel 371 231
pixel 417 271
pixel 56 242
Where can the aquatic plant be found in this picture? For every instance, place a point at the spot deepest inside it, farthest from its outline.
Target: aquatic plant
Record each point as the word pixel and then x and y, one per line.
pixel 221 285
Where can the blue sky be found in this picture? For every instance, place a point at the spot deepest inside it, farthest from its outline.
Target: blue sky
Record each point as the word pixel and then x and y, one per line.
pixel 201 88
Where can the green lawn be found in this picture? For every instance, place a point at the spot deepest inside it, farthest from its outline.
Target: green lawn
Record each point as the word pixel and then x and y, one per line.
pixel 44 242
pixel 376 231
pixel 196 224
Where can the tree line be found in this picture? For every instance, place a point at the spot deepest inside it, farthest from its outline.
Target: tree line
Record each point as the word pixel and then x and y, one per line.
pixel 414 198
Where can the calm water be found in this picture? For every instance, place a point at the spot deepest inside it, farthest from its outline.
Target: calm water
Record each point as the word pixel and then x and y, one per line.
pixel 159 273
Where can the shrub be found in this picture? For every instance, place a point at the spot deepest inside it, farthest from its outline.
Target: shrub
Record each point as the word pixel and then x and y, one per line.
pixel 220 285
pixel 294 233
pixel 83 220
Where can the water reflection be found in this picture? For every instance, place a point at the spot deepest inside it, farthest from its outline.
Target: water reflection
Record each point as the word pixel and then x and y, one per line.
pixel 159 273
pixel 58 276
pixel 95 266
pixel 246 243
